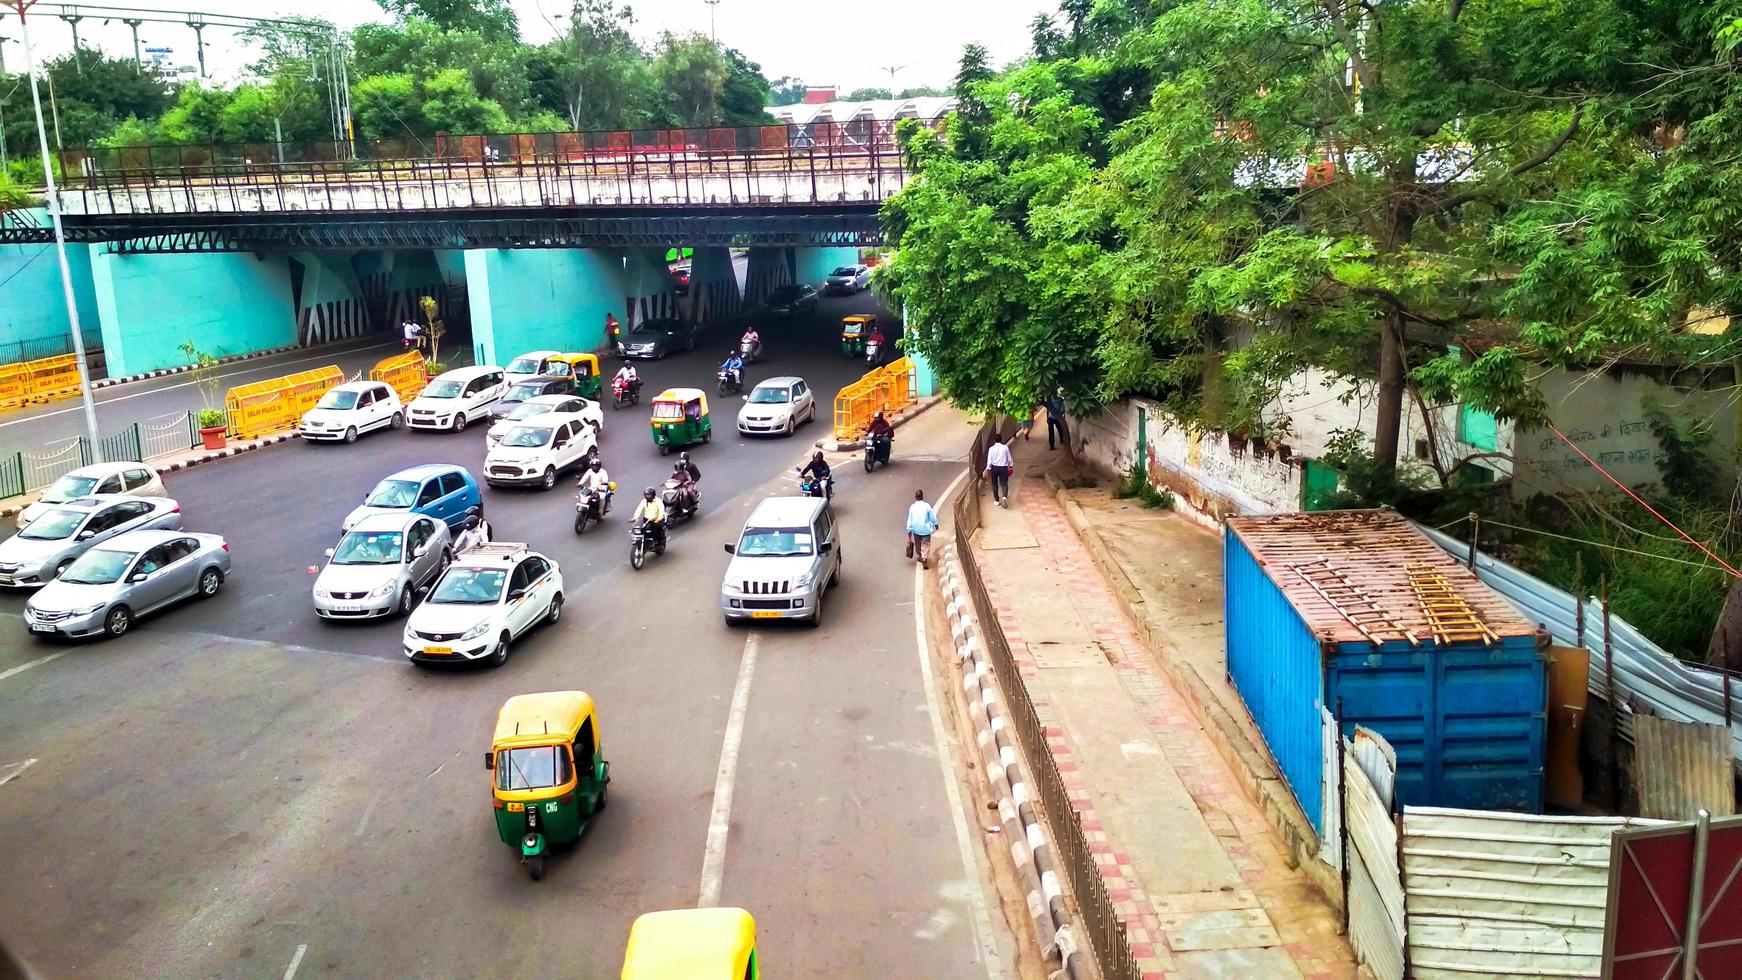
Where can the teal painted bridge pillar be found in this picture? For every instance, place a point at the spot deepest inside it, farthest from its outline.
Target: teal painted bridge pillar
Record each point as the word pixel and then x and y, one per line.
pixel 541 299
pixel 813 265
pixel 224 303
pixel 33 311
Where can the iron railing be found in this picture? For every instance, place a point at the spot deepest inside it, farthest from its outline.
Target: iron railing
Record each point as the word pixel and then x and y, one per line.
pixel 1107 939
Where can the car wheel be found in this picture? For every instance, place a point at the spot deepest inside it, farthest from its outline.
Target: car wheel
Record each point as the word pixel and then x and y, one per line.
pixel 549 478
pixel 731 623
pixel 816 619
pixel 119 621
pixel 407 595
pixel 499 656
pixel 460 422
pixel 398 420
pixel 691 343
pixel 350 435
pixel 556 609
pixel 835 576
pixel 211 580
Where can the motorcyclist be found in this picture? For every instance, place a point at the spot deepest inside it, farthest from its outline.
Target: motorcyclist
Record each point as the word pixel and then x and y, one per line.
pixel 877 339
pixel 473 533
pixel 734 367
pixel 651 512
pixel 817 470
pixel 686 484
pixel 881 429
pixel 754 339
pixel 695 471
pixel 594 478
pixel 627 375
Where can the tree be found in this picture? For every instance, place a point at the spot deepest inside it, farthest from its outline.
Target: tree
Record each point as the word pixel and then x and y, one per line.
pixel 487 17
pixel 867 94
pixel 786 90
pixel 387 106
pixel 921 91
pixel 690 73
pixel 599 75
pixel 197 115
pixel 744 95
pixel 452 105
pixel 92 97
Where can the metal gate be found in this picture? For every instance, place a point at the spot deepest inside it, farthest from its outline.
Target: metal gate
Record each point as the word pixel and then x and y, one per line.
pixel 1675 904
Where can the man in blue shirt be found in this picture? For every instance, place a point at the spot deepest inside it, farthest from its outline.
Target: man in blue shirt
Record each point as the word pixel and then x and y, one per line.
pixel 922 521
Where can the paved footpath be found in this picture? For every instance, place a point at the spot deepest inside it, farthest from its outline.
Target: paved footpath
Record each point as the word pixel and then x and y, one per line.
pixel 1198 876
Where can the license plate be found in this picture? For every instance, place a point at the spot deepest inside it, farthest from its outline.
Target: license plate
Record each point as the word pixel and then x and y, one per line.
pixel 42 629
pixel 438 651
pixel 764 614
pixel 346 607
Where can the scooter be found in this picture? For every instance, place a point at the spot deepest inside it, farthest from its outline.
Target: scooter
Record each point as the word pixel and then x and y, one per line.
pixel 810 486
pixel 589 509
pixel 873 352
pixel 751 352
pixel 731 382
pixel 877 451
pixel 680 507
pixel 643 540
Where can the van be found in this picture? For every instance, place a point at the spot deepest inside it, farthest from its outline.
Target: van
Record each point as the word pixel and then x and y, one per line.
pixel 457 397
pixel 788 553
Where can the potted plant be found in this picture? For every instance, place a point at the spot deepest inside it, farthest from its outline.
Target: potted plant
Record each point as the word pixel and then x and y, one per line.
pixel 212 428
pixel 210 421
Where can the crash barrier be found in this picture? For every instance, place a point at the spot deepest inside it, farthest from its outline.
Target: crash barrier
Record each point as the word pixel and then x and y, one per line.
pixel 405 373
pixel 32 469
pixel 1108 942
pixel 277 403
pixel 42 380
pixel 889 388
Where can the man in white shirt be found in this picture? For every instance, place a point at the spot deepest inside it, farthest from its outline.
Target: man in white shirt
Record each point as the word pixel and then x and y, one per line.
pixel 411 330
pixel 999 463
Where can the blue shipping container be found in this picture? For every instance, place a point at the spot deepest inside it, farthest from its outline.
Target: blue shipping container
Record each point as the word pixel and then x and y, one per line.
pixel 1352 607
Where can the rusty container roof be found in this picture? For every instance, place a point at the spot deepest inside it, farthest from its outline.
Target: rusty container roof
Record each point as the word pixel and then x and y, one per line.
pixel 1359 576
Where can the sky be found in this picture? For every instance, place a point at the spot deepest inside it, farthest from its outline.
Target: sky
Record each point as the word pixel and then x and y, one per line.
pixel 847 45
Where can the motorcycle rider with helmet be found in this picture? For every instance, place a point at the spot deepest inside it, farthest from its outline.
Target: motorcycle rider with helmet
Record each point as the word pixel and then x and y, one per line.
pixel 650 513
pixel 595 479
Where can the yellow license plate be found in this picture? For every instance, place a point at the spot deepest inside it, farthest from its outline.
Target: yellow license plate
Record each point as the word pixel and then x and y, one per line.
pixel 438 651
pixel 761 614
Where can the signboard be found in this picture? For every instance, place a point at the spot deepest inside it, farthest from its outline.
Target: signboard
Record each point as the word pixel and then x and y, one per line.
pixel 1675 902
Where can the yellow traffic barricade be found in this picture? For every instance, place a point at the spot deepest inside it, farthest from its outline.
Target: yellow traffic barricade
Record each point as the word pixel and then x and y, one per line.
pixel 888 389
pixel 277 403
pixel 405 373
pixel 14 380
pixel 49 378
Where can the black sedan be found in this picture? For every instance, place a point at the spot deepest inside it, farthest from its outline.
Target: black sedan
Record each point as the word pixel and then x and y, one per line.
pixel 653 339
pixel 792 300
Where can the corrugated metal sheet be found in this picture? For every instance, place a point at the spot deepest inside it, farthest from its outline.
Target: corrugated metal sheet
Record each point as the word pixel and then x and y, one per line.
pixel 1357 576
pixel 1681 768
pixel 1376 916
pixel 1518 896
pixel 1643 670
pixel 1275 664
pixel 1331 840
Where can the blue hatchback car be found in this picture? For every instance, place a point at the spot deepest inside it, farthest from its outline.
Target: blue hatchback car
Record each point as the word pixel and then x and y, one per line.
pixel 440 490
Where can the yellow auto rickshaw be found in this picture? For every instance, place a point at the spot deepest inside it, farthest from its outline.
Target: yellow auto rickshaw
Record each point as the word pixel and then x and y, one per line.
pixel 692 944
pixel 549 772
pixel 680 418
pixel 854 330
pixel 584 368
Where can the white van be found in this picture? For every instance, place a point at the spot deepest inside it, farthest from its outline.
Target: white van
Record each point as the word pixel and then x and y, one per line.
pixel 457 397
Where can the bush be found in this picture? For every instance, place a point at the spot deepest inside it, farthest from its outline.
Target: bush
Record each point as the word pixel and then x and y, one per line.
pixel 1138 487
pixel 209 418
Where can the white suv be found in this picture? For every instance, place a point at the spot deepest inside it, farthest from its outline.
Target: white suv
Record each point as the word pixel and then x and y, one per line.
pixel 533 452
pixel 490 596
pixel 353 408
pixel 457 397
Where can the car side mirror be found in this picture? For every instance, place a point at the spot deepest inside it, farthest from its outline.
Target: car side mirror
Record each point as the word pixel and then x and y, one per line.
pixel 85 535
pixel 827 547
pixel 516 594
pixel 731 549
pixel 489 760
pixel 138 577
pixel 420 551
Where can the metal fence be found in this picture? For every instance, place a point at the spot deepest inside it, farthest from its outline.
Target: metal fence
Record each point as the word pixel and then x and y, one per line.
pixel 1107 940
pixel 33 469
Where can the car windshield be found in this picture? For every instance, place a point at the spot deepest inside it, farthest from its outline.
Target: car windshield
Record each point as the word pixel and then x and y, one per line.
pixel 527 436
pixel 341 401
pixel 771 396
pixel 442 389
pixel 647 332
pixel 774 542
pixel 539 767
pixel 394 493
pixel 785 294
pixel 845 270
pixel 99 568
pixel 470 587
pixel 368 548
pixel 528 410
pixel 523 365
pixel 520 393
pixel 54 525
pixel 70 487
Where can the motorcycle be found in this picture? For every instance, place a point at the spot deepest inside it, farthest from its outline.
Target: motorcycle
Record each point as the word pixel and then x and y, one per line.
pixel 750 351
pixel 873 352
pixel 623 393
pixel 731 382
pixel 680 506
pixel 589 509
pixel 811 486
pixel 877 451
pixel 643 540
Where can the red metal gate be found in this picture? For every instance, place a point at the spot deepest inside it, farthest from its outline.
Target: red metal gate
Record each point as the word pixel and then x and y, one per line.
pixel 1675 902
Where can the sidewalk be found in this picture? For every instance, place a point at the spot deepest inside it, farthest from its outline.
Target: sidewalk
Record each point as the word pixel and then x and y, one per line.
pixel 1203 883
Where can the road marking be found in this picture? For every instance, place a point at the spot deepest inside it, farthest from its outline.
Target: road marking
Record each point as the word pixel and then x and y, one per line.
pixel 982 917
pixel 295 961
pixel 374 798
pixel 188 384
pixel 39 661
pixel 720 821
pixel 16 772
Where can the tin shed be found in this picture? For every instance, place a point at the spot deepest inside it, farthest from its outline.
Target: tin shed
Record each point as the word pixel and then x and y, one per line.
pixel 1358 608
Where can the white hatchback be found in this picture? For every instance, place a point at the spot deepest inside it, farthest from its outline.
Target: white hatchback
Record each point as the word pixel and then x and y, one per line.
pixel 351 409
pixel 533 452
pixel 456 398
pixel 543 405
pixel 777 405
pixel 490 596
pixel 530 364
pixel 97 480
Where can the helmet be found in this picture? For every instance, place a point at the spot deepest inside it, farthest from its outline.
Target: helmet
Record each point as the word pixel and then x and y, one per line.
pixel 679 467
pixel 648 493
pixel 880 413
pixel 683 457
pixel 596 464
pixel 471 522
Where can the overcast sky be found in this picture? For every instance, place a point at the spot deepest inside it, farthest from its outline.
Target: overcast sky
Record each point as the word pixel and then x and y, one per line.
pixel 849 45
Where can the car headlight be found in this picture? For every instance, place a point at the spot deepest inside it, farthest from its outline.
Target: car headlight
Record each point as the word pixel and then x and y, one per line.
pixel 476 631
pixel 804 580
pixel 731 589
pixel 384 589
pixel 323 594
pixel 86 611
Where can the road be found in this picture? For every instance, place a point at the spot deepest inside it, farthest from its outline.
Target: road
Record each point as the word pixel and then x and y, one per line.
pixel 236 780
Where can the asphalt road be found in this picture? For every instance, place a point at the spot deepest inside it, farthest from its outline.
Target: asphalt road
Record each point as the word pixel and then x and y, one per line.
pixel 236 781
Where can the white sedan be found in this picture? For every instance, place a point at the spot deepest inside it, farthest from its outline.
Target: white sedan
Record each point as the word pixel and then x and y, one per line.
pixel 351 409
pixel 490 596
pixel 533 452
pixel 543 405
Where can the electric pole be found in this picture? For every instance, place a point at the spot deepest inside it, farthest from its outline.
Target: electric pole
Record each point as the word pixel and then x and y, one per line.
pixel 713 29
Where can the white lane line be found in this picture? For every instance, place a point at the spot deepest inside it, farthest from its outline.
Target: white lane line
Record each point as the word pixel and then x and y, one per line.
pixel 374 798
pixel 39 661
pixel 720 821
pixel 188 384
pixel 982 917
pixel 17 770
pixel 295 961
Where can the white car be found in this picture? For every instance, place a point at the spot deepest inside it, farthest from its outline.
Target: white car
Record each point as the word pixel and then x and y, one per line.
pixel 777 405
pixel 848 279
pixel 535 451
pixel 351 409
pixel 588 409
pixel 97 480
pixel 489 597
pixel 456 398
pixel 530 364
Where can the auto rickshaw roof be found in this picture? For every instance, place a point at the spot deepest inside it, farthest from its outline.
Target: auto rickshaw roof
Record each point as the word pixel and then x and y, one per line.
pixel 683 396
pixel 859 318
pixel 580 358
pixel 690 944
pixel 542 719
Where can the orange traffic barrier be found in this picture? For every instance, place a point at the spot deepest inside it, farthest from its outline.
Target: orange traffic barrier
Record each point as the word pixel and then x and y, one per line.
pixel 277 403
pixel 405 373
pixel 49 378
pixel 888 389
pixel 14 380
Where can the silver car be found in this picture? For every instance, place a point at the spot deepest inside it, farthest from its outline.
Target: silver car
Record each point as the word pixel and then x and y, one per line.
pixel 380 566
pixel 786 556
pixel 44 549
pixel 126 577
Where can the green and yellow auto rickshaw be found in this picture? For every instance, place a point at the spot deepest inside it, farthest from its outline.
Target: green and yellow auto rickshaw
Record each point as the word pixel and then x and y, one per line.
pixel 680 418
pixel 549 771
pixel 584 368
pixel 854 330
pixel 692 944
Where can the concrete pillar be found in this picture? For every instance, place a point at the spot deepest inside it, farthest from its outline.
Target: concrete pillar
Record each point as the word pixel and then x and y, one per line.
pixel 532 299
pixel 924 379
pixel 714 293
pixel 225 303
pixel 331 303
pixel 813 265
pixel 647 289
pixel 33 314
pixel 766 269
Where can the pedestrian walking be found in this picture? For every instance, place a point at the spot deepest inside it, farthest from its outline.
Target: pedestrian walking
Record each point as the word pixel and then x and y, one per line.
pixel 922 521
pixel 1055 420
pixel 999 463
pixel 1027 424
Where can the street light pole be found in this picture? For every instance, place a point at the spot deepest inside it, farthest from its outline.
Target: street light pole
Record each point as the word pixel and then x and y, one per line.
pixel 713 29
pixel 60 237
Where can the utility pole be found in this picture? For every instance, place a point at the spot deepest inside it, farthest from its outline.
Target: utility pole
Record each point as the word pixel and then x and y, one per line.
pixel 60 237
pixel 199 27
pixel 713 30
pixel 134 23
pixel 73 19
